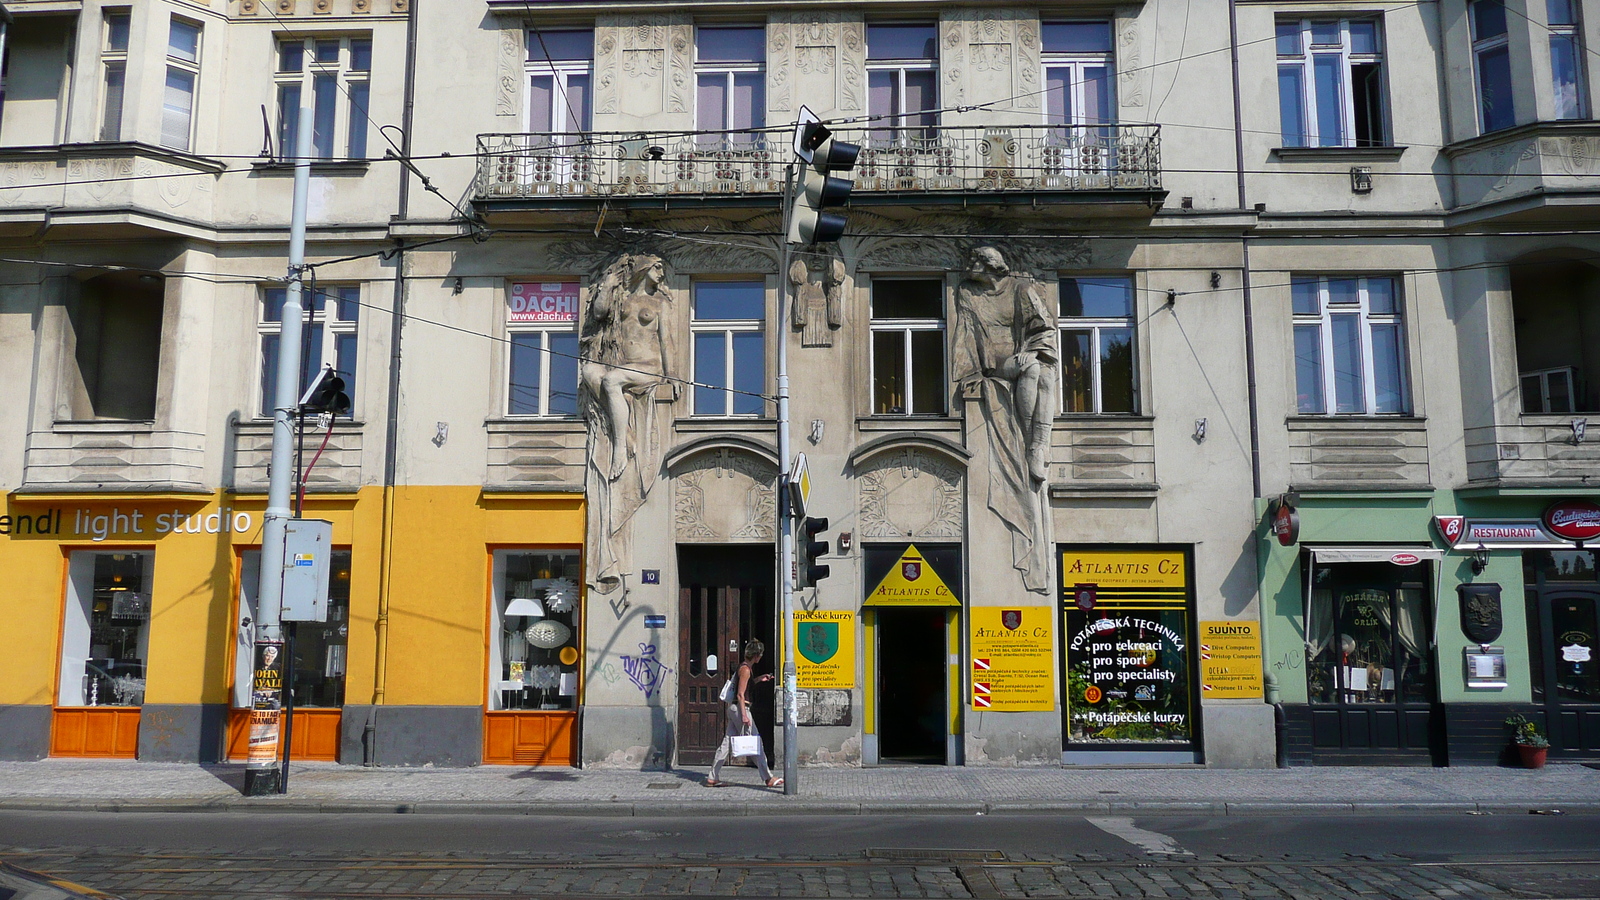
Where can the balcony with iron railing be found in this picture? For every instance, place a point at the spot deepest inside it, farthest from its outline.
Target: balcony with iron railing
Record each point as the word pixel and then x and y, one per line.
pixel 1112 165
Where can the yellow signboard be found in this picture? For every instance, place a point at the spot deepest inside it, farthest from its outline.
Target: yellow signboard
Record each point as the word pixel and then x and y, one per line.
pixel 912 582
pixel 826 656
pixel 1013 662
pixel 1123 569
pixel 1230 660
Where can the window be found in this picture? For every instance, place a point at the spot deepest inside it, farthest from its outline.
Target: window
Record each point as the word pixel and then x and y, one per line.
pixel 902 81
pixel 1349 349
pixel 1078 73
pixel 320 648
pixel 1330 83
pixel 542 321
pixel 328 337
pixel 115 348
pixel 1097 347
pixel 730 84
pixel 1368 634
pixel 908 367
pixel 105 636
pixel 114 60
pixel 1491 54
pixel 729 347
pixel 534 630
pixel 560 72
pixel 183 69
pixel 337 71
pixel 1566 55
pixel 1549 391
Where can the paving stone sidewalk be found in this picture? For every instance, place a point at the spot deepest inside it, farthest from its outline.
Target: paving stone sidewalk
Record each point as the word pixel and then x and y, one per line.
pixel 327 787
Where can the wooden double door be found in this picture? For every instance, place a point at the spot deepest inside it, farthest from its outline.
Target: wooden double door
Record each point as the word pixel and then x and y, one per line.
pixel 725 600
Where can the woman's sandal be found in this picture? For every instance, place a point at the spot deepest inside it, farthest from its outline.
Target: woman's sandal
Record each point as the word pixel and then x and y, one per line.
pixel 710 783
pixel 774 782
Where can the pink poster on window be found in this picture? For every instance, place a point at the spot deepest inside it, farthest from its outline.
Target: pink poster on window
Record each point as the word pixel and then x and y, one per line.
pixel 534 301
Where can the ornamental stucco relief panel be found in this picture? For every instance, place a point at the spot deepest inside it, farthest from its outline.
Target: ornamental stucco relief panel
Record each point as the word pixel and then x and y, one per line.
pixel 724 496
pixel 909 494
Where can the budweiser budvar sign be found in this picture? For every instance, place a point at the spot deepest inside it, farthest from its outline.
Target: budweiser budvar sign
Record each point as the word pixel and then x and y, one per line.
pixel 1573 520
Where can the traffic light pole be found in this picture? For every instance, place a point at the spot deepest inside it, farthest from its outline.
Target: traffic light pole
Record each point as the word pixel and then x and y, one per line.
pixel 791 700
pixel 269 682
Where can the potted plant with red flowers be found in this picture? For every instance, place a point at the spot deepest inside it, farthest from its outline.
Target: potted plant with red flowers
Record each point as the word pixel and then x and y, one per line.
pixel 1532 745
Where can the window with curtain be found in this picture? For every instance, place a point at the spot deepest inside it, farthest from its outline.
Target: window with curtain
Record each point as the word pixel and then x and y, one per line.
pixel 114 63
pixel 183 71
pixel 1368 638
pixel 336 71
pixel 728 326
pixel 730 83
pixel 1330 83
pixel 902 82
pixel 328 337
pixel 1098 363
pixel 1078 73
pixel 1349 346
pixel 908 353
pixel 560 72
pixel 1491 56
pixel 1566 58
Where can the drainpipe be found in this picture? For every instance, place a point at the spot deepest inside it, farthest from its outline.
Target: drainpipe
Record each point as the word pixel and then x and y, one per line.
pixel 391 437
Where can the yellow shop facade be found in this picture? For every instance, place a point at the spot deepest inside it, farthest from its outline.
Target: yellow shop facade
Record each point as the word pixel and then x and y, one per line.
pixel 129 627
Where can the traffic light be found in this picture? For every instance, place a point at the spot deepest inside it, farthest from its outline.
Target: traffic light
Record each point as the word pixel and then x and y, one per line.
pixel 326 394
pixel 819 186
pixel 810 571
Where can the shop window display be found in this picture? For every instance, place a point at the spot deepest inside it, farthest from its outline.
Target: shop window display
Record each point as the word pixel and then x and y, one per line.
pixel 535 654
pixel 319 647
pixel 106 635
pixel 1368 635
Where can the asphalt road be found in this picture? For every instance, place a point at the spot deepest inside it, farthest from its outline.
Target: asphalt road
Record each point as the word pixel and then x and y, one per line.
pixel 164 856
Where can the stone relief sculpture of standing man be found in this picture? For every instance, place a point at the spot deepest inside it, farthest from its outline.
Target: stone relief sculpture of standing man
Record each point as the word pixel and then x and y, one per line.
pixel 625 357
pixel 1005 351
pixel 818 309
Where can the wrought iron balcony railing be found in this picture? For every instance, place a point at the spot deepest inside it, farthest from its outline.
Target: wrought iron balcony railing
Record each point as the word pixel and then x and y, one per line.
pixel 946 159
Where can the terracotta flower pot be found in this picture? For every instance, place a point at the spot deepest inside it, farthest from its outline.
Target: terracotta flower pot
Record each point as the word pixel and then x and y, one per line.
pixel 1532 757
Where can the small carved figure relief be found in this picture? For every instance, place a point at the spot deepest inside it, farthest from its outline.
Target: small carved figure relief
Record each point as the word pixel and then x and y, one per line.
pixel 624 348
pixel 1006 358
pixel 818 309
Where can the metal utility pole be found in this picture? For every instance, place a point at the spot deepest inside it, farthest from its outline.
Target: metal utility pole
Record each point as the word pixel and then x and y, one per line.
pixel 791 700
pixel 269 682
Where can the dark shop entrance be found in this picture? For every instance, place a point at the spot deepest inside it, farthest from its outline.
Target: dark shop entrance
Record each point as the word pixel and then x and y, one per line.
pixel 913 596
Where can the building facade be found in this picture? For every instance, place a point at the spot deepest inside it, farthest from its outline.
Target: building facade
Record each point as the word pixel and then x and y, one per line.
pixel 1171 367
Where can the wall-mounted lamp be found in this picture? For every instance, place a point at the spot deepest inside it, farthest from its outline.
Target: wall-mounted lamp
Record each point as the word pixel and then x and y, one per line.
pixel 458 287
pixel 846 539
pixel 1480 559
pixel 1579 426
pixel 1216 280
pixel 1361 179
pixel 1199 430
pixel 1172 296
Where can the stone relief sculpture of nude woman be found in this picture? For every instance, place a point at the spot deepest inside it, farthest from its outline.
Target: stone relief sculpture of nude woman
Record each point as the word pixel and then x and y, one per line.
pixel 625 358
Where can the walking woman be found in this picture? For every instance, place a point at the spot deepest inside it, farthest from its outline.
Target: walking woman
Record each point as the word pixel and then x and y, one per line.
pixel 739 721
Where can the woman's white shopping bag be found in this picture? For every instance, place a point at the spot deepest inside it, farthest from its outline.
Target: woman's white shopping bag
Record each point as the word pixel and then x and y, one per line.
pixel 746 744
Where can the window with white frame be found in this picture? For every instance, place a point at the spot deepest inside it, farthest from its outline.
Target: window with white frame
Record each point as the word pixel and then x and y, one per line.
pixel 728 324
pixel 328 336
pixel 337 72
pixel 183 71
pixel 1098 369
pixel 1078 73
pixel 1349 346
pixel 1491 56
pixel 560 71
pixel 908 353
pixel 1566 58
pixel 902 81
pixel 114 62
pixel 730 83
pixel 1330 83
pixel 542 329
pixel 1550 391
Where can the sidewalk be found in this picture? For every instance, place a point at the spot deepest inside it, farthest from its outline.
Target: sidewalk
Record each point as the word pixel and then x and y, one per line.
pixel 63 784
